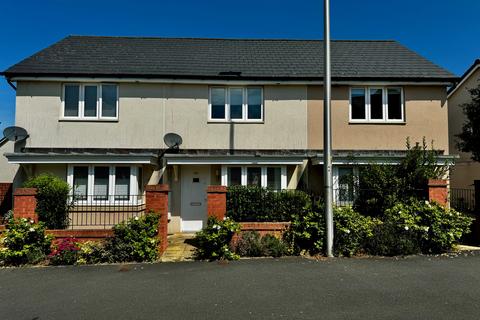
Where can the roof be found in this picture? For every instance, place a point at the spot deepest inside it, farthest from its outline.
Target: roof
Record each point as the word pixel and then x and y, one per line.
pixel 465 76
pixel 200 58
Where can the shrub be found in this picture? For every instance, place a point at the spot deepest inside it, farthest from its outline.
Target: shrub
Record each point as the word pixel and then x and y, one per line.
pixel 435 227
pixel 66 252
pixel 352 231
pixel 213 242
pixel 92 252
pixel 255 204
pixel 251 244
pixel 389 240
pixel 273 247
pixel 25 242
pixel 133 240
pixel 52 200
pixel 306 232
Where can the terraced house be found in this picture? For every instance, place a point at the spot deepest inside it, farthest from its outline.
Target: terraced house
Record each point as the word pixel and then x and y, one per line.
pixel 249 112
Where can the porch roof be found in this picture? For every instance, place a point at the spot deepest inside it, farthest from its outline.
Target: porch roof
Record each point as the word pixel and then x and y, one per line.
pixel 183 159
pixel 378 157
pixel 54 158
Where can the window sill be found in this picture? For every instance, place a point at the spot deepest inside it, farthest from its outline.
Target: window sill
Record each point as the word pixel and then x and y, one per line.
pixel 379 122
pixel 86 120
pixel 237 122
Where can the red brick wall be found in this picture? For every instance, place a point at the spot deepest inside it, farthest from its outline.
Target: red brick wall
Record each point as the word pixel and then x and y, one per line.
pixel 5 197
pixel 156 200
pixel 216 201
pixel 25 203
pixel 438 191
pixel 81 235
pixel 274 228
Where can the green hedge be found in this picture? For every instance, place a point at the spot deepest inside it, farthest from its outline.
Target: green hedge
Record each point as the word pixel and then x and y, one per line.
pixel 52 200
pixel 255 204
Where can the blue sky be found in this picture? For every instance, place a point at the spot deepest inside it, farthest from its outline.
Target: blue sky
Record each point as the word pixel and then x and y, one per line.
pixel 444 31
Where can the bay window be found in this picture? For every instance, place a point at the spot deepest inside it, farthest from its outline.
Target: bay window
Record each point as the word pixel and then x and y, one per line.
pixel 90 101
pixel 236 104
pixel 105 184
pixel 272 177
pixel 376 104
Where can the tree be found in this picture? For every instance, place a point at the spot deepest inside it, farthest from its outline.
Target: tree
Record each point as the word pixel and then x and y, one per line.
pixel 469 138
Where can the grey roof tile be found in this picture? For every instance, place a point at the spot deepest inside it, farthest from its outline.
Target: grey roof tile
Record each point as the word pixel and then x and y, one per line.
pixel 207 58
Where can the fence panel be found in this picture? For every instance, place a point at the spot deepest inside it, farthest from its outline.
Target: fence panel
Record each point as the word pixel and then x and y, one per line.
pixel 99 212
pixel 462 199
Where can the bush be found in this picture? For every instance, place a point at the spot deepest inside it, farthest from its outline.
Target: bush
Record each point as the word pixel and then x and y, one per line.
pixel 66 252
pixel 437 228
pixel 389 240
pixel 306 232
pixel 92 252
pixel 352 231
pixel 273 247
pixel 25 242
pixel 255 204
pixel 251 244
pixel 133 240
pixel 52 200
pixel 213 242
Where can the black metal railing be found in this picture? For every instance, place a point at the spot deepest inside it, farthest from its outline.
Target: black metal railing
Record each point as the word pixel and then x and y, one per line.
pixel 462 199
pixel 96 211
pixel 349 195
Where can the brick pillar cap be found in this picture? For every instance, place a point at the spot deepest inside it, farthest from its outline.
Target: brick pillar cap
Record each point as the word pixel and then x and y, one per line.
pixel 437 183
pixel 216 189
pixel 25 192
pixel 157 188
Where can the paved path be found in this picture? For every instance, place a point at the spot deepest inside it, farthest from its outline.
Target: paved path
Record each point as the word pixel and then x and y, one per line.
pixel 291 288
pixel 178 248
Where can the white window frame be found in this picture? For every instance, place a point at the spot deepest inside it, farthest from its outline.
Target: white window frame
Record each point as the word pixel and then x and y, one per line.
pixel 227 117
pixel 81 103
pixel 134 197
pixel 385 118
pixel 283 177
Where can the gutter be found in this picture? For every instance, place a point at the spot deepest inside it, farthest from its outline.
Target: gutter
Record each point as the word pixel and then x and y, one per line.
pixel 11 84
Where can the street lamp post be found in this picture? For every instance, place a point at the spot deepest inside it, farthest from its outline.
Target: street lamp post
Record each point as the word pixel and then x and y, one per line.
pixel 327 131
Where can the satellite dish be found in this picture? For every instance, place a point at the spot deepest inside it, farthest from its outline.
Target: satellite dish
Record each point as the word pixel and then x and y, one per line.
pixel 13 134
pixel 172 140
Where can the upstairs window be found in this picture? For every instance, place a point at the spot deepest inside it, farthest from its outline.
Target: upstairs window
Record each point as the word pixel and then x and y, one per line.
pixel 90 102
pixel 376 104
pixel 236 104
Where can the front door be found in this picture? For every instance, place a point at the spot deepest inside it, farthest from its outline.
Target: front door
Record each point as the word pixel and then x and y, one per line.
pixel 195 180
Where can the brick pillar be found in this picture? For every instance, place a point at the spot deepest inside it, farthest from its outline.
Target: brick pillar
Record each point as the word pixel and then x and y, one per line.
pixel 25 203
pixel 5 197
pixel 438 191
pixel 156 200
pixel 216 201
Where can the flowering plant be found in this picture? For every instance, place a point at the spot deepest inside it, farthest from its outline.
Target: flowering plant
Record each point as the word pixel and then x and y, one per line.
pixel 65 252
pixel 213 242
pixel 435 227
pixel 352 230
pixel 24 242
